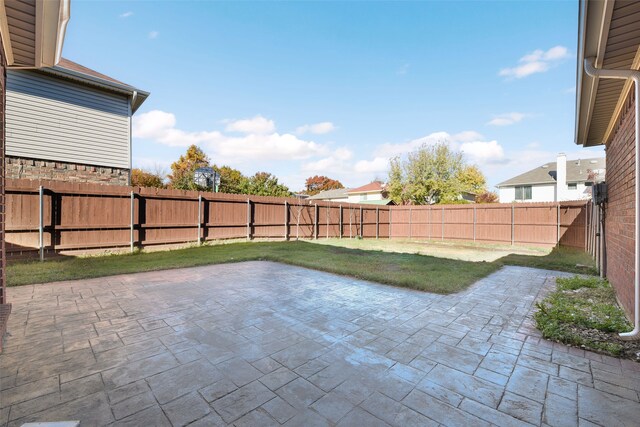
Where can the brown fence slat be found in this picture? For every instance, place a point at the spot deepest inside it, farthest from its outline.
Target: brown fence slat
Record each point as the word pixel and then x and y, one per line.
pixel 88 216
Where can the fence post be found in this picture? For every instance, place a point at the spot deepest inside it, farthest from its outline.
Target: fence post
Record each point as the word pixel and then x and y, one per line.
pixel 377 223
pixel 474 223
pixel 41 223
pixel 328 215
pixel 586 221
pixel 132 220
pixel 361 233
pixel 286 220
pixel 315 221
pixel 513 227
pixel 558 231
pixel 429 221
pixel 199 218
pixel 410 222
pixel 442 224
pixel 350 226
pixel 390 211
pixel 249 219
pixel 340 233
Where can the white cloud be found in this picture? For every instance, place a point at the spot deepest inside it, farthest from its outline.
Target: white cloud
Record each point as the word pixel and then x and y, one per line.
pixel 338 161
pixel 316 128
pixel 376 165
pixel 126 14
pixel 160 127
pixel 154 34
pixel 257 125
pixel 537 61
pixel 483 152
pixel 506 119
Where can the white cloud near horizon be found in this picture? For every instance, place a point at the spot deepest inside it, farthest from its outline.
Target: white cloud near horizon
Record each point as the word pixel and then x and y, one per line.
pixel 506 119
pixel 257 125
pixel 154 34
pixel 316 128
pixel 126 14
pixel 538 61
pixel 160 126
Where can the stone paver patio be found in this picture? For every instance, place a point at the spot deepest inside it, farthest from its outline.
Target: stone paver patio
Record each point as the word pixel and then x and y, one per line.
pixel 260 344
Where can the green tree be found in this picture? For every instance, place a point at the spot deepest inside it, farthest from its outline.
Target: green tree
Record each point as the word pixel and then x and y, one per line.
pixel 183 169
pixel 232 181
pixel 266 184
pixel 143 178
pixel 472 180
pixel 431 174
pixel 315 184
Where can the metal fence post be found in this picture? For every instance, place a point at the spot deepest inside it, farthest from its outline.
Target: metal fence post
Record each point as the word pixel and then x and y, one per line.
pixel 513 226
pixel 199 218
pixel 315 221
pixel 377 223
pixel 328 215
pixel 132 220
pixel 41 223
pixel 340 234
pixel 286 220
pixel 249 219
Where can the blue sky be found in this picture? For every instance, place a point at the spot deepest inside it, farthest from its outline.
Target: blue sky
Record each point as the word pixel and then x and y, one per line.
pixel 337 88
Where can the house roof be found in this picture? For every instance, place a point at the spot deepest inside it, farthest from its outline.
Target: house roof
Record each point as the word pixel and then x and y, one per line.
pixel 607 32
pixel 577 171
pixel 339 193
pixel 372 187
pixel 382 202
pixel 73 71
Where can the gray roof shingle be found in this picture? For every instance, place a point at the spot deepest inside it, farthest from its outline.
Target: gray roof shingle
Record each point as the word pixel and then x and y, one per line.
pixel 577 171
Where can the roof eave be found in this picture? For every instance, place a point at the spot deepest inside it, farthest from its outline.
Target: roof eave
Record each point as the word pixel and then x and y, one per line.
pixel 595 16
pixel 140 95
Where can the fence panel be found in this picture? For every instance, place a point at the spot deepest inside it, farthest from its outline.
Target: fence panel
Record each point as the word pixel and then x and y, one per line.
pixel 86 216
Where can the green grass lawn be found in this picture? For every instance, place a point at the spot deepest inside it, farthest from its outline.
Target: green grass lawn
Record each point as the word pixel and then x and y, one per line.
pixel 416 271
pixel 561 259
pixel 421 272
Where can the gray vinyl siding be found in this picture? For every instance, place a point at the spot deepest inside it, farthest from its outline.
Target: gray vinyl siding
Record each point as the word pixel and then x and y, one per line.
pixel 50 118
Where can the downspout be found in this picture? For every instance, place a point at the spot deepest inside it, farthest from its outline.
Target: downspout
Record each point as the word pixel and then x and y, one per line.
pixel 591 70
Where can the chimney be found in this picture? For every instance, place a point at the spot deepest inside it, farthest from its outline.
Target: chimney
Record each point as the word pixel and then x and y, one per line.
pixel 561 177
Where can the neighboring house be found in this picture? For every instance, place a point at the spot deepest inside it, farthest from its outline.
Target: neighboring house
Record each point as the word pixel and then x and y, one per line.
pixel 607 114
pixel 337 195
pixel 31 36
pixel 556 181
pixel 367 193
pixel 68 122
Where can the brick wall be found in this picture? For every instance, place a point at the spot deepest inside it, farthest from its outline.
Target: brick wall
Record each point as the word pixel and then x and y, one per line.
pixel 620 209
pixel 21 168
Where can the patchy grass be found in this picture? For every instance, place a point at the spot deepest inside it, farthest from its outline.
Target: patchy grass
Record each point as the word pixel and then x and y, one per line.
pixel 560 259
pixel 414 271
pixel 583 312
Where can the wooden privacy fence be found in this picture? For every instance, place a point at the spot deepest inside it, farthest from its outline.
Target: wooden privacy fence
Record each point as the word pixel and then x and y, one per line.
pixel 563 223
pixel 52 216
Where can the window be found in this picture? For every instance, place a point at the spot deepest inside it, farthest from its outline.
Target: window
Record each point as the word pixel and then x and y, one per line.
pixel 523 192
pixel 573 186
pixel 363 197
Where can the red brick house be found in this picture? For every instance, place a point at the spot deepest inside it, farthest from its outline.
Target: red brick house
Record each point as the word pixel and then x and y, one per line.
pixel 607 114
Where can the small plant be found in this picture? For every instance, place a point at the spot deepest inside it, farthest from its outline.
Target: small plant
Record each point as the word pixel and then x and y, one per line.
pixel 583 312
